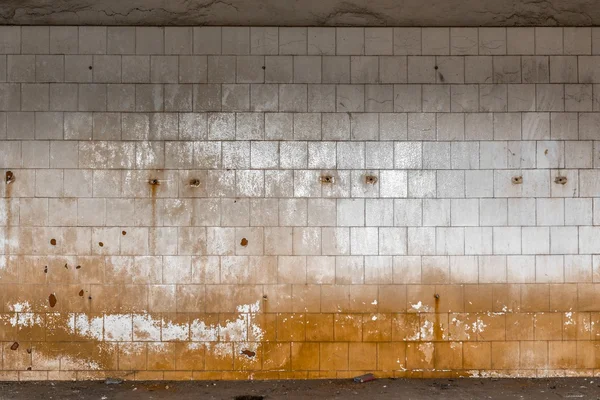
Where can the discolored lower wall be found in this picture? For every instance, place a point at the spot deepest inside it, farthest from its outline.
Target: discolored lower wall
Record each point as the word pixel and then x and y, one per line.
pixel 266 203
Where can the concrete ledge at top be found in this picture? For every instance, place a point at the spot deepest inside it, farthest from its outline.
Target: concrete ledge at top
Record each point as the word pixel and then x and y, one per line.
pixel 302 12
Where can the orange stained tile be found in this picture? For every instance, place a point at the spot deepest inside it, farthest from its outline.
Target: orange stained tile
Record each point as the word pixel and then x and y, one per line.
pixel 519 326
pixel 377 327
pixel 563 297
pixel 448 355
pixel 102 375
pixel 189 298
pixel 535 297
pixel 433 272
pixel 392 298
pixel 30 327
pixel 433 327
pixel 588 354
pixel 319 327
pixel 178 375
pixel 347 327
pixel 506 298
pixel 293 375
pixel 405 327
pixel 233 327
pixel 207 375
pixel 420 298
pixel 588 297
pixel 9 376
pixel 61 375
pixel 362 356
pixel 420 355
pixel 227 298
pixel 32 270
pixel 60 269
pixel 91 270
pixel 450 298
pixel 146 327
pixel 577 325
pixel 562 355
pixel 349 298
pixel 305 356
pixel 333 356
pixel 462 327
pixel 505 355
pixel 18 359
pixel 491 326
pixel 291 327
pixel 267 324
pixel 247 356
pixel 548 326
pixel 279 298
pixel 319 374
pixel 161 356
pixel 277 356
pixel 33 375
pixel 189 356
pixel 71 298
pixel 132 356
pixel 595 331
pixel 264 375
pixel 478 298
pixel 219 356
pixel 58 326
pixel 175 327
pixel 149 376
pixel 11 269
pixel 533 354
pixel 477 355
pixel 391 356
pixel 306 298
pixel 88 355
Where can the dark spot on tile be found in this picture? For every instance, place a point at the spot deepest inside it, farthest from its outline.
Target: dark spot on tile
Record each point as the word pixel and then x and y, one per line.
pixel 123 233
pixel 53 242
pixel 14 346
pixel 100 244
pixel 81 293
pixel 244 242
pixel 248 353
pixel 45 269
pixel 52 300
pixel 78 267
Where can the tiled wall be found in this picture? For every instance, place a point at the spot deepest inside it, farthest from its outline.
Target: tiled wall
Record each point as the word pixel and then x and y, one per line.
pixel 299 202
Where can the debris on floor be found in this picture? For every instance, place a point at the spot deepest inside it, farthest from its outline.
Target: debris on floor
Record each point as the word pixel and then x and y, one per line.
pixel 364 378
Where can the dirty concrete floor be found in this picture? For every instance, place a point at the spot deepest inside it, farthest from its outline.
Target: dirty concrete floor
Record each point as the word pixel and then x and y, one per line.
pixel 569 388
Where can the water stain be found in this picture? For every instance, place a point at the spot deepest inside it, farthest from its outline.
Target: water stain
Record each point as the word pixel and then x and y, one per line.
pixel 437 328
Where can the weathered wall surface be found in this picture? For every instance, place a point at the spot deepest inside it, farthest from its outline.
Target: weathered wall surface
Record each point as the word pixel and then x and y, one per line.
pixel 303 12
pixel 291 202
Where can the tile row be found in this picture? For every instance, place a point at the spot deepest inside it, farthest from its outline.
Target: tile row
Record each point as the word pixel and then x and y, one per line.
pixel 299 69
pixel 299 98
pixel 302 155
pixel 313 212
pixel 549 243
pixel 494 303
pixel 299 184
pixel 297 359
pixel 297 40
pixel 218 126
